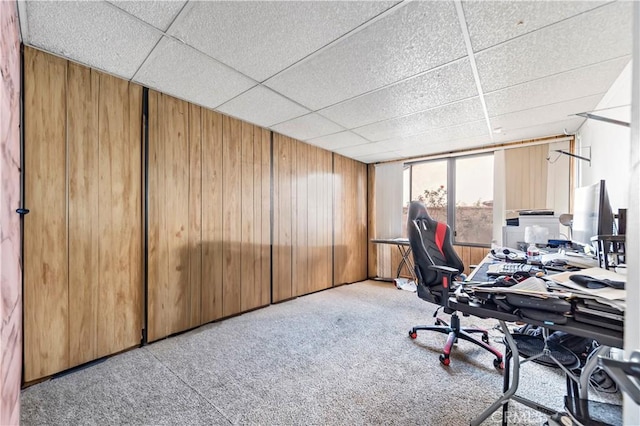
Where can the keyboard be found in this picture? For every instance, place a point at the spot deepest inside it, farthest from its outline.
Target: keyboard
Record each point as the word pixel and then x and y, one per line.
pixel 498 269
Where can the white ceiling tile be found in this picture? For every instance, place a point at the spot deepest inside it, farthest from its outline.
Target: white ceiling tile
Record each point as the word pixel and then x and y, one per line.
pixel 423 150
pixel 433 148
pixel 441 86
pixel 92 33
pixel 393 74
pixel 338 140
pixel 376 158
pixel 470 143
pixel 159 13
pixel 600 35
pixel 416 151
pixel 181 71
pixel 443 134
pixel 444 116
pixel 492 22
pixel 263 107
pixel 573 84
pixel 365 149
pixel 545 114
pixel 260 38
pixel 307 127
pixel 414 38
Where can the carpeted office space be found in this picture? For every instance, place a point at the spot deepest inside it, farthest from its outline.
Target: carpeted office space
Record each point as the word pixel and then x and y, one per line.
pixel 339 356
pixel 325 173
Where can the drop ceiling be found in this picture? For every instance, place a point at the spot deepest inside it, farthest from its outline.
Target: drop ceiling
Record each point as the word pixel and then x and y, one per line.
pixel 372 80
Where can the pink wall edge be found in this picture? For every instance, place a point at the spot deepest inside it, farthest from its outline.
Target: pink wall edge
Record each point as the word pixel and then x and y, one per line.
pixel 10 270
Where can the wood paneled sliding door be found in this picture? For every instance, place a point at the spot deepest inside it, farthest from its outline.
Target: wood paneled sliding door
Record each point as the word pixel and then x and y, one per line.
pixel 302 218
pixel 319 219
pixel 46 247
pixel 174 208
pixel 312 230
pixel 350 220
pixel 83 236
pixel 209 229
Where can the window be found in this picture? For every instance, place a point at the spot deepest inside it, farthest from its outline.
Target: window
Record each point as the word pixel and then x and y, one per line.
pixel 458 191
pixel 429 184
pixel 474 199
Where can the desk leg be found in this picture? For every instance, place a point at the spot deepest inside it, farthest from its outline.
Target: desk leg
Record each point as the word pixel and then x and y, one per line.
pixel 588 369
pixel 406 261
pixel 513 349
pixel 578 393
pixel 505 384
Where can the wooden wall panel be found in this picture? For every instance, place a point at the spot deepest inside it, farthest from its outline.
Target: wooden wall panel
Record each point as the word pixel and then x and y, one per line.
pixel 300 214
pixel 251 277
pixel 231 215
pixel 212 254
pixel 247 254
pixel 169 265
pixel 256 291
pixel 372 255
pixel 321 220
pixel 83 145
pixel 83 237
pixel 350 220
pixel 46 281
pixel 329 241
pixel 120 220
pixel 282 218
pixel 195 216
pixel 264 204
pixel 526 177
pixel 155 217
pixel 209 232
pixel 471 255
pixel 303 262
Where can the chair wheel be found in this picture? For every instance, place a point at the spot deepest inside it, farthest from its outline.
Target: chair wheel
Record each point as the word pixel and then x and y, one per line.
pixel 497 363
pixel 413 334
pixel 445 360
pixel 485 337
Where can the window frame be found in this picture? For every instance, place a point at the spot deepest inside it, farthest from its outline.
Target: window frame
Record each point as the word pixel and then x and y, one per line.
pixel 451 193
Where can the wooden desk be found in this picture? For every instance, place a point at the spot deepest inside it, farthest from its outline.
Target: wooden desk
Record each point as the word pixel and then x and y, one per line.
pixel 405 251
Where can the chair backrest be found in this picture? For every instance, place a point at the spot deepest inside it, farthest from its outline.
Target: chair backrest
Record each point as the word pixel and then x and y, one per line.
pixel 430 243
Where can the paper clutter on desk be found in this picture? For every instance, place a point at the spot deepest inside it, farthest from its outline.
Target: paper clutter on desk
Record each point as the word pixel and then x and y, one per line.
pixel 608 293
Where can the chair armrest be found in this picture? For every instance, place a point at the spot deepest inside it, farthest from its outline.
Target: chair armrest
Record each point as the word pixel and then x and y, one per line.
pixel 447 274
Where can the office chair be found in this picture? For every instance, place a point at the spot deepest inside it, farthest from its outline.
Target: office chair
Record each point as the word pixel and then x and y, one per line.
pixel 436 265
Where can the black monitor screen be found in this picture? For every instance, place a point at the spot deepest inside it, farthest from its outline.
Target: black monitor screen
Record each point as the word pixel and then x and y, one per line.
pixel 592 213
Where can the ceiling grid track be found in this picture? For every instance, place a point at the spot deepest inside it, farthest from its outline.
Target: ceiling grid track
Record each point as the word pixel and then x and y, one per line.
pixel 472 61
pixel 380 81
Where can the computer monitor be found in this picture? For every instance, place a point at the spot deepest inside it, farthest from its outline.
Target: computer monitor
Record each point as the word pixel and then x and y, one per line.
pixel 592 213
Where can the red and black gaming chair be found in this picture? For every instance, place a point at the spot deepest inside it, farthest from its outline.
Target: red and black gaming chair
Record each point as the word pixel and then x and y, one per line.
pixel 436 266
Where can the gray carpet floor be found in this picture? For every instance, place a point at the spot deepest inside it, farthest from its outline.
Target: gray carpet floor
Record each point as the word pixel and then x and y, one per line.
pixel 336 357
